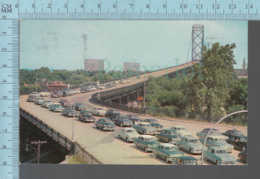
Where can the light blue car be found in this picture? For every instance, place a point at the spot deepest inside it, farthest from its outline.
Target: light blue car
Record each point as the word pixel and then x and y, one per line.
pixel 218 141
pixel 219 156
pixel 190 144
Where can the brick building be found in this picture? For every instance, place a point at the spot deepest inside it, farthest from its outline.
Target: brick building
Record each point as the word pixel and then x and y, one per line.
pixel 56 86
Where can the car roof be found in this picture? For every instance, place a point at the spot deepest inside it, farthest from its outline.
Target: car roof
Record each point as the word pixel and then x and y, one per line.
pixel 143 123
pixel 147 136
pixel 217 136
pixel 128 128
pixel 56 103
pixel 168 130
pixel 167 145
pixel 217 148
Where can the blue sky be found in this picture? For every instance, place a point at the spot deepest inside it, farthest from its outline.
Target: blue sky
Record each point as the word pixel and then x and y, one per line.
pixel 58 44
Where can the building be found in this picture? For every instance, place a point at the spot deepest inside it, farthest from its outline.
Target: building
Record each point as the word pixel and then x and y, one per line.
pixel 130 66
pixel 56 86
pixel 94 65
pixel 242 73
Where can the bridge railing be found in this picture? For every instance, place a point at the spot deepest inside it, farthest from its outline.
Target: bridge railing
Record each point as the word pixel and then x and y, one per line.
pixel 55 135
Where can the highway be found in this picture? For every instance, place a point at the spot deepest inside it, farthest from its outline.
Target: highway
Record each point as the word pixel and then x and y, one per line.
pixel 105 146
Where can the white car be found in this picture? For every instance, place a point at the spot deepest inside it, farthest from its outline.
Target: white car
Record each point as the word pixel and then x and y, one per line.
pixel 101 87
pixel 181 131
pixel 128 134
pixel 128 80
pixel 99 111
pixel 91 88
pixel 123 81
pixel 47 103
pixel 45 94
pixel 39 100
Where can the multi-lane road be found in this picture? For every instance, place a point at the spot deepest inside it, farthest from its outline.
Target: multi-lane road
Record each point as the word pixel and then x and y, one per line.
pixel 105 146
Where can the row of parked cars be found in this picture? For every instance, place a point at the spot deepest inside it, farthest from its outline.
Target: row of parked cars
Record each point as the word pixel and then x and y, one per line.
pixel 150 136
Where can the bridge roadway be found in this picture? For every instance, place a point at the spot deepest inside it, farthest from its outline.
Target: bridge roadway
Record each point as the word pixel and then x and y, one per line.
pixel 105 146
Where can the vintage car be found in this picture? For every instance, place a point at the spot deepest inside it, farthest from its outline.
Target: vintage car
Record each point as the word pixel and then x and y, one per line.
pixel 105 124
pixel 64 102
pixel 168 135
pixel 31 98
pixel 86 116
pixel 243 156
pixel 132 116
pixel 128 80
pixel 111 113
pixel 146 142
pixel 56 94
pixel 101 87
pixel 80 106
pixel 219 156
pixel 167 152
pixel 39 100
pixel 47 103
pixel 122 121
pixel 238 141
pixel 145 128
pixel 128 134
pixel 157 126
pixel 69 112
pixel 205 131
pixel 150 120
pixel 181 130
pixel 234 132
pixel 190 144
pixel 56 107
pixel 134 120
pixel 91 88
pixel 123 81
pixel 218 141
pixel 185 160
pixel 45 94
pixel 99 111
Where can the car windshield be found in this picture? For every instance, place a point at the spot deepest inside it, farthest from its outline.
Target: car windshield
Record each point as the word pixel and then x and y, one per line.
pixel 189 162
pixel 130 131
pixel 148 139
pixel 219 140
pixel 170 148
pixel 194 141
pixel 220 151
pixel 179 128
pixel 146 125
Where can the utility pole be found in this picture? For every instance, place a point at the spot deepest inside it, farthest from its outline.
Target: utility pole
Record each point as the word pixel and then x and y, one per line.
pixel 38 149
pixel 144 97
pixel 72 137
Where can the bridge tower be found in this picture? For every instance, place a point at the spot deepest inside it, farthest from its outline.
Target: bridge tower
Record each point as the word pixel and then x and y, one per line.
pixel 197 41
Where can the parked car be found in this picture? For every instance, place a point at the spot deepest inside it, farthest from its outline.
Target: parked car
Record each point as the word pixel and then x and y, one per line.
pixel 128 134
pixel 31 98
pixel 101 87
pixel 168 135
pixel 99 111
pixel 56 107
pixel 157 126
pixel 150 120
pixel 109 85
pixel 234 132
pixel 130 116
pixel 205 131
pixel 190 144
pixel 134 120
pixel 219 156
pixel 91 88
pixel 123 81
pixel 45 94
pixel 128 80
pixel 56 95
pixel 39 100
pixel 238 141
pixel 181 130
pixel 111 113
pixel 185 160
pixel 218 141
pixel 167 152
pixel 105 124
pixel 243 156
pixel 80 106
pixel 122 121
pixel 69 112
pixel 86 116
pixel 47 103
pixel 146 142
pixel 64 102
pixel 145 128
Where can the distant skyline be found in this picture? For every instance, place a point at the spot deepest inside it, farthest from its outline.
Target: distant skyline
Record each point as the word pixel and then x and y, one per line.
pixel 58 44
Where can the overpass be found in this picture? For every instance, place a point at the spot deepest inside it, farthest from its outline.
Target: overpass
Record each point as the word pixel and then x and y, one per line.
pixel 120 97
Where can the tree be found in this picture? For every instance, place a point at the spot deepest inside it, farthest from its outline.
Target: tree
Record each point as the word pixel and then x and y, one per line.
pixel 208 88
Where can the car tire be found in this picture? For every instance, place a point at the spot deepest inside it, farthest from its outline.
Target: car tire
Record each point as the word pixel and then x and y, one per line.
pixel 127 140
pixel 190 151
pixel 166 159
pixel 145 150
pixel 121 125
pixel 217 162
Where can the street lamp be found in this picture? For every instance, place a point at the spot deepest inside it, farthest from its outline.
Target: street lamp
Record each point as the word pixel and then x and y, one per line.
pixel 214 125
pixel 72 138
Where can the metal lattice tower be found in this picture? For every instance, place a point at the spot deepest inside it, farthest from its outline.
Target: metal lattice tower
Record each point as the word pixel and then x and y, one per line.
pixel 85 37
pixel 197 41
